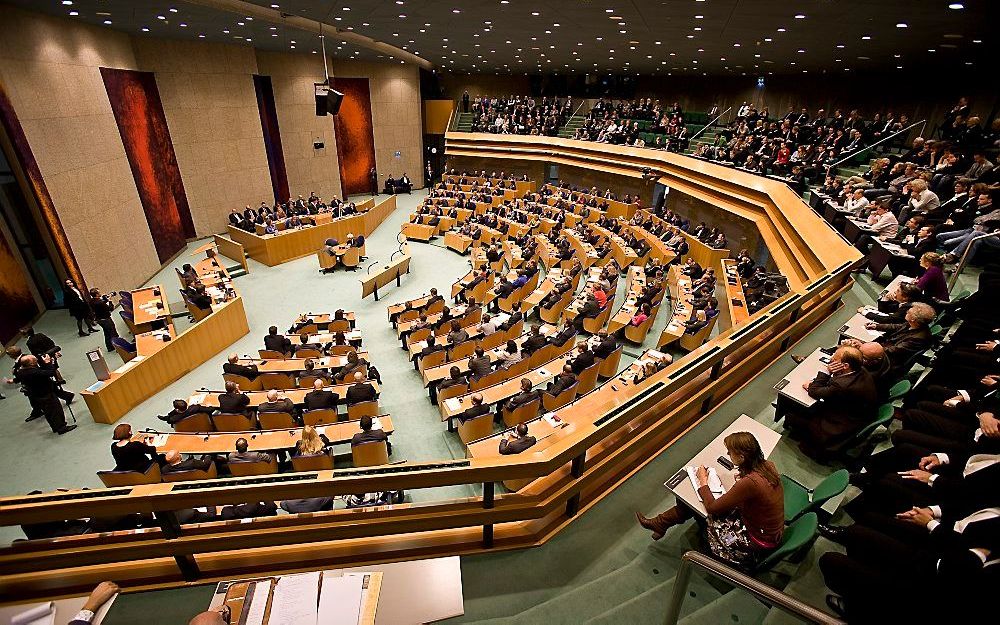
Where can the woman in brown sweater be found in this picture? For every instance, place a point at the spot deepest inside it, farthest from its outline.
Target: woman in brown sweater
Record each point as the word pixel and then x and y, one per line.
pixel 757 496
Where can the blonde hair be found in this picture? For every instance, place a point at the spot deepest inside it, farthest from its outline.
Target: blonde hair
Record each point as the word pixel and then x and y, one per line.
pixel 919 185
pixel 310 443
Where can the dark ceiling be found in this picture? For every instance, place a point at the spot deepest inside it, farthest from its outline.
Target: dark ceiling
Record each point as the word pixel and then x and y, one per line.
pixel 712 37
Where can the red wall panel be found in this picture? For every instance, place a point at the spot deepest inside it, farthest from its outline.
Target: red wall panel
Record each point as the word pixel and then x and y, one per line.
pixel 355 138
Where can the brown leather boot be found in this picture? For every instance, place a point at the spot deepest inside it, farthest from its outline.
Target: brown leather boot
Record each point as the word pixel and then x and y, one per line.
pixel 660 523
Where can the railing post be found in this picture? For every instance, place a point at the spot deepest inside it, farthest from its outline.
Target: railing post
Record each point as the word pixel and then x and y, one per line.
pixel 576 470
pixel 488 492
pixel 681 581
pixel 171 529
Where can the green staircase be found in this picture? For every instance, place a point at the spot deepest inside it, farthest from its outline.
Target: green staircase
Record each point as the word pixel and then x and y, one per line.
pixel 464 122
pixel 571 126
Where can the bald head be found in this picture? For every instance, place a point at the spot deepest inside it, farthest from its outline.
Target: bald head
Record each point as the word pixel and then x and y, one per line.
pixel 233 358
pixel 172 457
pixel 272 395
pixel 872 352
pixel 358 377
pixel 318 384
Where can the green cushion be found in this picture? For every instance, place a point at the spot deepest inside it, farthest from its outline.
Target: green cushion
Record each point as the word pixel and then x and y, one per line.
pixel 796 498
pixel 936 329
pixel 797 535
pixel 899 389
pixel 833 485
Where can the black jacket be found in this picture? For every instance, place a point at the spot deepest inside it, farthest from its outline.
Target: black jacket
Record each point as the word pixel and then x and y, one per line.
pixel 317 400
pixel 233 403
pixel 517 445
pixel 472 412
pixel 363 391
pixel 249 372
pixel 278 343
pixel 372 436
pixel 582 361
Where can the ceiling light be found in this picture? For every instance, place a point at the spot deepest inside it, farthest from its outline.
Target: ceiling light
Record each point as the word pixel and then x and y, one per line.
pixel 781 30
pixel 241 23
pixel 699 17
pixel 145 29
pixel 107 22
pixel 456 10
pixel 74 13
pixel 225 32
pixel 183 25
pixel 697 28
pixel 736 45
pixel 161 17
pixel 800 50
pixel 274 6
pixel 866 38
pixel 346 9
pixel 977 41
pixel 173 10
pixel 841 46
pixel 609 10
pixel 402 17
pixel 800 16
pixel 956 6
pixel 768 39
pixel 901 25
pixel 931 50
pixel 201 36
pixel 690 36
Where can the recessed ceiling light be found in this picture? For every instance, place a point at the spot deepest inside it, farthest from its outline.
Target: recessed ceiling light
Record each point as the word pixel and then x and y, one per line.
pixel 173 10
pixel 241 23
pixel 736 45
pixel 697 28
pixel 201 36
pixel 274 6
pixel 161 17
pixel 699 17
pixel 931 50
pixel 183 25
pixel 456 10
pixel 977 41
pixel 866 38
pixel 956 6
pixel 346 9
pixel 901 25
pixel 768 39
pixel 107 22
pixel 145 29
pixel 781 30
pixel 690 36
pixel 225 32
pixel 800 50
pixel 68 2
pixel 800 16
pixel 841 46
pixel 74 13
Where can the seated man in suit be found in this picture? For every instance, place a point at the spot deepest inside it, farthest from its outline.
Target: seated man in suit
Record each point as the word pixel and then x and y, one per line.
pixel 562 381
pixel 242 455
pixel 360 391
pixel 433 299
pixel 535 341
pixel 277 342
pixel 276 403
pixel 903 341
pixel 454 378
pixel 310 371
pixel 200 297
pixel 320 398
pixel 479 364
pixel 567 333
pixel 311 504
pixel 476 409
pixel 430 348
pixel 583 360
pixel 182 411
pixel 300 322
pixel 526 396
pixel 233 401
pixel 457 334
pixel 233 367
pixel 368 435
pixel 590 309
pixel 175 464
pixel 516 441
pixel 390 185
pixel 487 326
pixel 305 344
pixel 513 320
pixel 605 344
pixel 355 364
pixel 248 511
pixel 848 404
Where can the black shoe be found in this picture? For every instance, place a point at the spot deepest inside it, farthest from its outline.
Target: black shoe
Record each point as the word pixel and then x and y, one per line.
pixel 797 359
pixel 93 330
pixel 836 603
pixel 65 428
pixel 32 417
pixel 66 396
pixel 858 479
pixel 832 532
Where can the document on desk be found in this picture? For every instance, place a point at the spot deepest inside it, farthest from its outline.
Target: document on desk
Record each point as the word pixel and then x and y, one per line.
pixel 44 614
pixel 714 483
pixel 295 599
pixel 452 404
pixel 258 603
pixel 340 601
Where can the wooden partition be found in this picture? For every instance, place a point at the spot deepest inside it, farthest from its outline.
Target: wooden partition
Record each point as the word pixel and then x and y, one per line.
pixel 288 245
pixel 112 399
pixel 610 436
pixel 231 249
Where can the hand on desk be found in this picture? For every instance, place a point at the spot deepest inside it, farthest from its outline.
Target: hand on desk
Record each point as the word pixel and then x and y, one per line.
pixel 870 325
pixel 701 476
pixel 100 595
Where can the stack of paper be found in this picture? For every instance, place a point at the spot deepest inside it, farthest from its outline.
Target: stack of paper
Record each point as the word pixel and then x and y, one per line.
pixel 714 483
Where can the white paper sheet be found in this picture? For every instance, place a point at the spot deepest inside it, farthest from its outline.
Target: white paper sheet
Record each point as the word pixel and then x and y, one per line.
pixel 295 600
pixel 258 603
pixel 43 614
pixel 340 601
pixel 714 483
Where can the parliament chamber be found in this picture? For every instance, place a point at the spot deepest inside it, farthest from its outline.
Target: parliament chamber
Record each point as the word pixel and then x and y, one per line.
pixel 483 330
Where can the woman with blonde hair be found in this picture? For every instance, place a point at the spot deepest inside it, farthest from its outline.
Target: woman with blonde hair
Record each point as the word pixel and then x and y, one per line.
pixel 311 442
pixel 745 523
pixel 932 282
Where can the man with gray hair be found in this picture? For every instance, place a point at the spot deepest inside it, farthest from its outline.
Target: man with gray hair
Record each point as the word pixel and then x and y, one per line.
pixel 903 341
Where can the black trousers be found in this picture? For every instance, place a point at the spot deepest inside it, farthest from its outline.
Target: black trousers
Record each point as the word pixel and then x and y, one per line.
pixel 52 409
pixel 110 332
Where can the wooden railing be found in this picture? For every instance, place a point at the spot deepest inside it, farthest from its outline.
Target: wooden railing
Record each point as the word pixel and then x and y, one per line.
pixel 614 435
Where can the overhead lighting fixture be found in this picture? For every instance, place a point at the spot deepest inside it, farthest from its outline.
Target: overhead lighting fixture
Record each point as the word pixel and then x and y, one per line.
pixel 781 30
pixel 866 38
pixel 800 16
pixel 161 17
pixel 107 22
pixel 173 10
pixel 901 25
pixel 74 13
pixel 956 6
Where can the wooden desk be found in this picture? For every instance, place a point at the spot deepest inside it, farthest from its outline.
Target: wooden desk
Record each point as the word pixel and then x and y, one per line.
pixel 680 483
pixel 196 443
pixel 274 249
pixel 149 306
pixel 210 399
pixel 855 329
pixel 458 242
pixel 738 312
pixel 658 249
pixel 621 252
pixel 418 232
pixel 433 375
pixel 140 378
pixel 681 313
pixel 353 337
pixel 292 365
pixel 636 282
pixel 149 343
pixel 505 390
pixel 881 252
pixel 790 387
pixel 322 320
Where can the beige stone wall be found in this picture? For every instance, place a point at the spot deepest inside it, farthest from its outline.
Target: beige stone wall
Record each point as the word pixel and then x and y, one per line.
pixel 396 116
pixel 211 109
pixel 50 68
pixel 292 77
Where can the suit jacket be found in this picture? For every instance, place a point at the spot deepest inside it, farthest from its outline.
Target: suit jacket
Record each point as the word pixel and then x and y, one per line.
pixel 605 347
pixel 372 436
pixel 560 383
pixel 472 412
pixel 282 405
pixel 901 343
pixel 312 504
pixel 249 456
pixel 522 398
pixel 278 343
pixel 517 445
pixel 249 372
pixel 533 343
pixel 457 336
pixel 249 510
pixel 443 384
pixel 363 391
pixel 233 402
pixel 582 361
pixel 317 400
pixel 39 344
pixel 188 464
pixel 590 308
pixel 175 416
pixel 564 335
pixel 478 367
pixel 848 405
pixel 38 382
